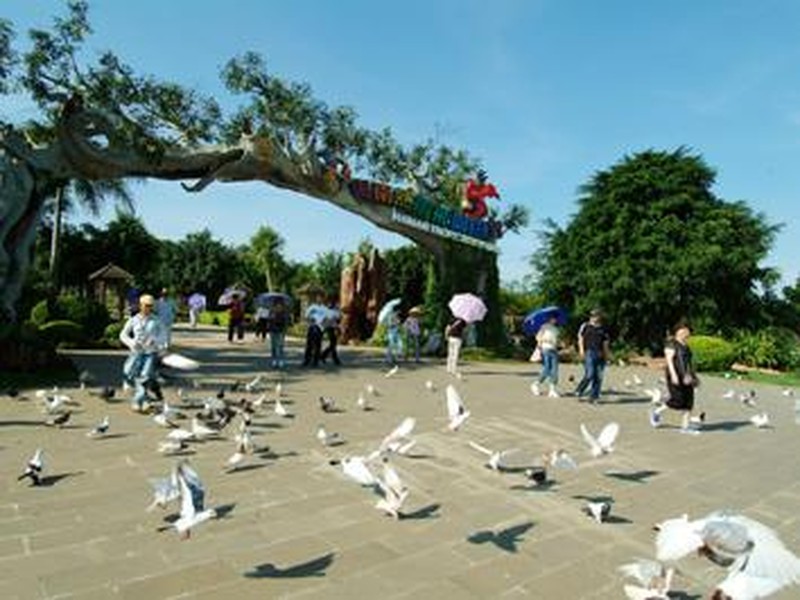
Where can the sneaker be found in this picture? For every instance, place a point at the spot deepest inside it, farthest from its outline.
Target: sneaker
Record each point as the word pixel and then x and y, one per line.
pixel 136 408
pixel 535 389
pixel 552 393
pixel 655 419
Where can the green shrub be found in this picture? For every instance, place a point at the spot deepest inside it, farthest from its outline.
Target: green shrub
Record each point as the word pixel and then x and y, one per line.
pixel 772 348
pixel 40 313
pixel 111 334
pixel 213 317
pixel 92 316
pixel 712 353
pixel 62 332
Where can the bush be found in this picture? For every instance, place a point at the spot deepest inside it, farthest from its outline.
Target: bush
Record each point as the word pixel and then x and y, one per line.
pixel 40 313
pixel 62 332
pixel 89 314
pixel 111 334
pixel 772 348
pixel 212 317
pixel 712 353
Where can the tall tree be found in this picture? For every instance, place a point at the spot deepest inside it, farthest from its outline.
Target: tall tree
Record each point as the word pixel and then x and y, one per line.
pixel 266 250
pixel 652 244
pixel 328 271
pixel 113 123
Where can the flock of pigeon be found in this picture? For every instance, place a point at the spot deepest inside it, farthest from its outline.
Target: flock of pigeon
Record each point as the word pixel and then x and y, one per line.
pixel 757 562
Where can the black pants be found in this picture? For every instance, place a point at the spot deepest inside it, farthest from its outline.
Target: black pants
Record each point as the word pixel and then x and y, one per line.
pixel 313 346
pixel 331 349
pixel 238 326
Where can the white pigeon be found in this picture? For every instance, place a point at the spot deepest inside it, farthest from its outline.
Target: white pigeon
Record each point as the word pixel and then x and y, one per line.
pixel 456 412
pixel 560 459
pixel 279 389
pixel 392 372
pixel 429 385
pixel 637 380
pixel 53 403
pixel 628 383
pixel 603 443
pixel 180 435
pixel 171 446
pixel 238 456
pixel 326 438
pixel 788 392
pixel 253 385
pixel 361 402
pixel 495 456
pixel 162 420
pixel 280 409
pixel 356 468
pixel 99 429
pixel 201 431
pixel 33 470
pixel 259 402
pixel 655 580
pixel 758 563
pixel 599 511
pixel 748 398
pixel 729 395
pixel 392 491
pixel 760 420
pixel 398 441
pixel 371 389
pixel 165 490
pixel 193 511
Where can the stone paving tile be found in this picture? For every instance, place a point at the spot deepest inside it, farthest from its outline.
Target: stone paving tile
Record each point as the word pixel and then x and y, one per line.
pixel 181 581
pixel 495 577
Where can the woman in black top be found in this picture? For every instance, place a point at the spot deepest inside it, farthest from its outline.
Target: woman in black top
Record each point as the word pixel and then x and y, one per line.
pixel 681 380
pixel 454 334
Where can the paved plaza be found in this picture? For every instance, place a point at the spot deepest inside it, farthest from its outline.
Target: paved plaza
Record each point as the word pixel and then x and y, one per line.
pixel 293 527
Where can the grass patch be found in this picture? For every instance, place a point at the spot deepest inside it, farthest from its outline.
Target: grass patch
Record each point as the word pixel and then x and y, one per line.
pixel 787 379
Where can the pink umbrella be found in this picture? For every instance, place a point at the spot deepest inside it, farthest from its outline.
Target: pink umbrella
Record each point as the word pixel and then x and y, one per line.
pixel 468 307
pixel 230 294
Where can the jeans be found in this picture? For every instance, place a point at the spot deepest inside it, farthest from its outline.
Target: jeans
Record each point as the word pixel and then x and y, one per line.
pixel 394 345
pixel 140 368
pixel 549 366
pixel 276 341
pixel 593 367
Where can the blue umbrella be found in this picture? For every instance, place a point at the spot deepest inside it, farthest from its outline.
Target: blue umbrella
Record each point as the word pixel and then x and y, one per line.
pixel 534 321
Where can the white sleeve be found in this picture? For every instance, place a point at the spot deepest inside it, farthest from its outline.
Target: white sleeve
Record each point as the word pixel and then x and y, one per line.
pixel 126 335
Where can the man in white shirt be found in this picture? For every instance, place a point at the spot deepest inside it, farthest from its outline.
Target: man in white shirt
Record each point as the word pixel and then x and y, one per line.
pixel 144 334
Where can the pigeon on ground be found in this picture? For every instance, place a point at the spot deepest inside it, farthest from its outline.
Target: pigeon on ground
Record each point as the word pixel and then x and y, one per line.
pixel 603 443
pixel 398 441
pixel 729 394
pixel 788 392
pixel 599 511
pixel 495 456
pixel 327 404
pixel 244 446
pixel 280 409
pixel 107 393
pixel 357 469
pixel 757 561
pixel 655 580
pixel 328 439
pixel 430 386
pixel 85 378
pixel 201 431
pixel 392 372
pixel 162 420
pixel 456 412
pixel 392 491
pixel 748 398
pixel 538 475
pixel 99 429
pixel 193 511
pixel 361 402
pixel 371 390
pixel 165 490
pixel 60 420
pixel 33 470
pixel 637 380
pixel 172 446
pixel 54 402
pixel 279 389
pixel 560 459
pixel 760 420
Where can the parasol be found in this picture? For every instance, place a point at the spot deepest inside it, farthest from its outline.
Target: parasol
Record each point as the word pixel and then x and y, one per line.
pixel 535 319
pixel 468 307
pixel 387 310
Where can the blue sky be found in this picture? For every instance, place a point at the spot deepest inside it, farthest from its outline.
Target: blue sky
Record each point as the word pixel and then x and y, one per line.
pixel 544 92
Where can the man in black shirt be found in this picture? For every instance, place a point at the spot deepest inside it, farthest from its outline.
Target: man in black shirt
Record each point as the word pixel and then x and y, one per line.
pixel 594 349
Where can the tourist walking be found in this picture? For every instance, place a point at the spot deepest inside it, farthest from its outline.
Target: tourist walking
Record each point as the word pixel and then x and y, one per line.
pixel 166 309
pixel 681 382
pixel 394 339
pixel 261 317
pixel 594 349
pixel 454 333
pixel 330 330
pixel 413 334
pixel 236 318
pixel 277 324
pixel 145 337
pixel 547 343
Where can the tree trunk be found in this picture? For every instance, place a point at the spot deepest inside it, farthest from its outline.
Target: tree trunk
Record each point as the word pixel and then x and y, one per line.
pixel 55 238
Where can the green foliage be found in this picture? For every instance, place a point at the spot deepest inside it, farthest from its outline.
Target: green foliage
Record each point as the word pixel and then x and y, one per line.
pixel 773 348
pixel 111 334
pixel 63 332
pixel 406 269
pixel 40 313
pixel 712 353
pixel 266 250
pixel 214 317
pixel 91 316
pixel 327 272
pixel 651 245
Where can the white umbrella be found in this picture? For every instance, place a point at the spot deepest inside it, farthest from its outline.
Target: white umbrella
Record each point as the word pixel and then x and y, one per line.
pixel 468 307
pixel 387 310
pixel 230 295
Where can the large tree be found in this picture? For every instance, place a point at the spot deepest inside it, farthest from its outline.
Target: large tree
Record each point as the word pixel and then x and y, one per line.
pixel 651 244
pixel 112 123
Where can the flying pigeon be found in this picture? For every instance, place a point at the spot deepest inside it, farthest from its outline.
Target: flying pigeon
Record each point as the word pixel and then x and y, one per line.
pixel 180 435
pixel 99 429
pixel 494 456
pixel 53 403
pixel 559 459
pixel 60 420
pixel 192 501
pixel 327 404
pixel 393 371
pixel 398 441
pixel 757 561
pixel 637 380
pixel 599 511
pixel 604 443
pixel 161 419
pixel 392 491
pixel 760 420
pixel 259 402
pixel 653 578
pixel 33 470
pixel 456 411
pixel 280 409
pixel 201 431
pixel 356 468
pixel 254 384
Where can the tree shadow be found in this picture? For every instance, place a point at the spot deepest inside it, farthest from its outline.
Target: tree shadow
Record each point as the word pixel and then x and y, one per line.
pixel 426 512
pixel 633 476
pixel 51 480
pixel 313 568
pixel 506 539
